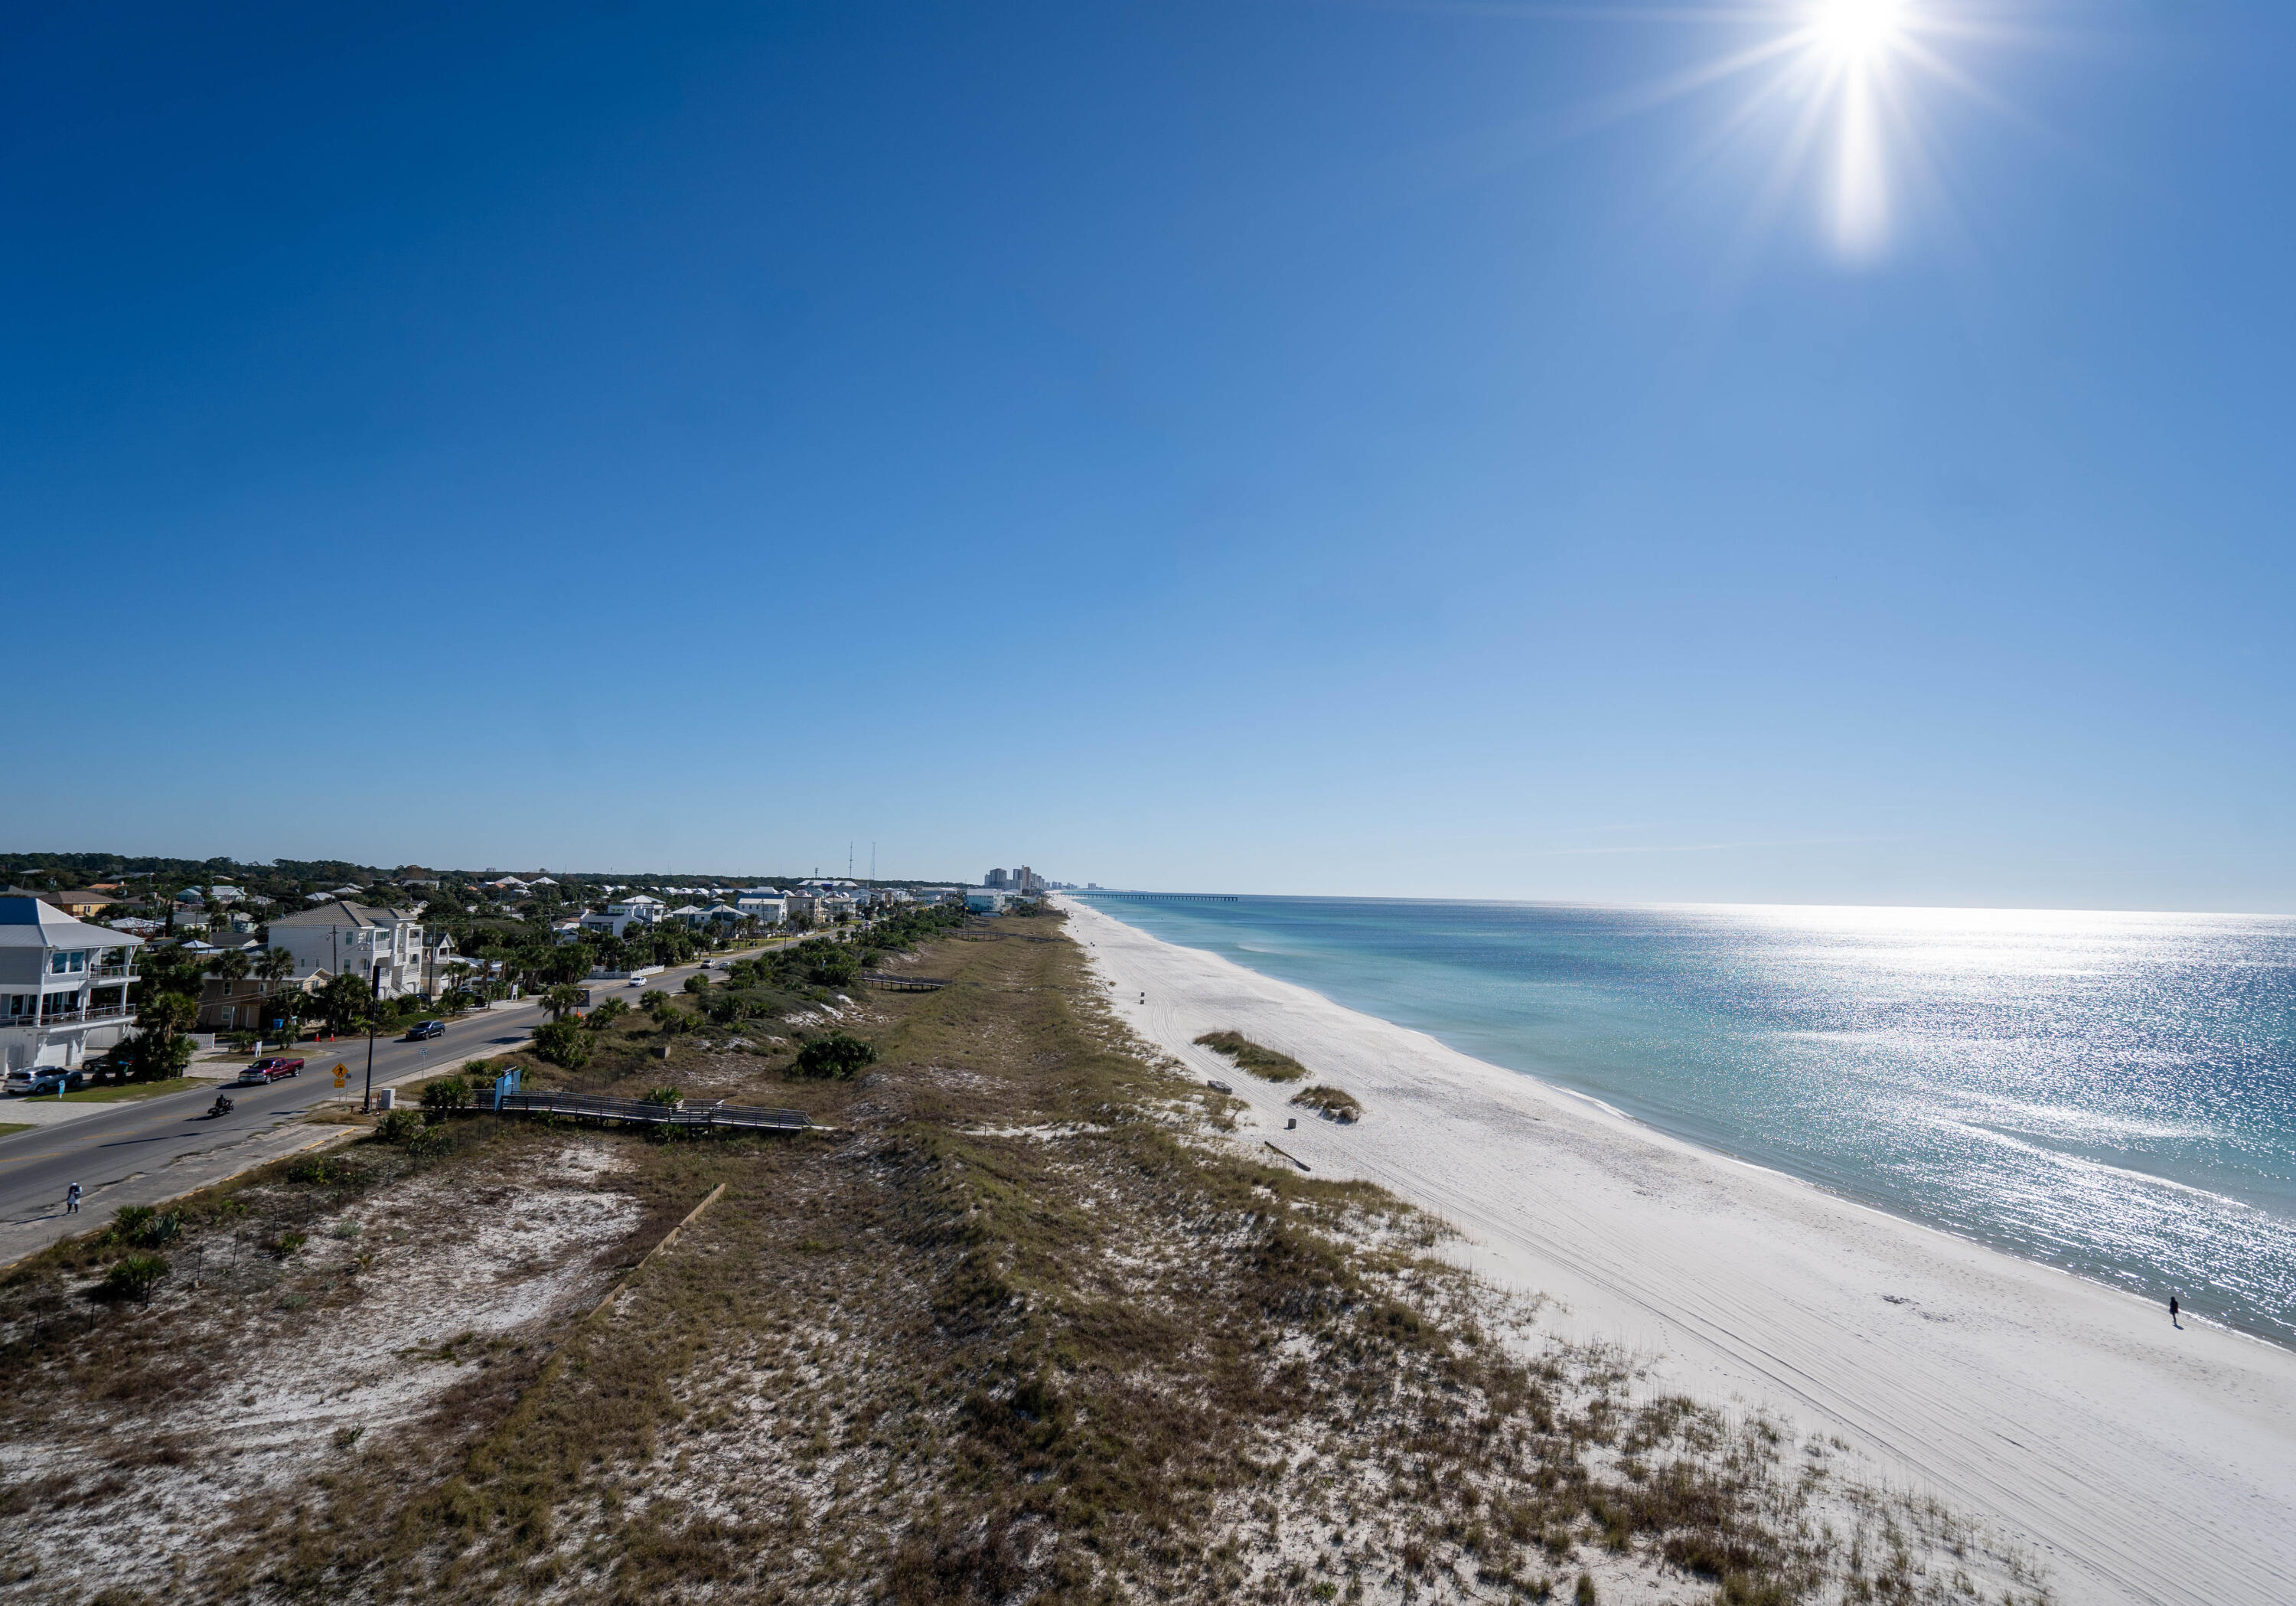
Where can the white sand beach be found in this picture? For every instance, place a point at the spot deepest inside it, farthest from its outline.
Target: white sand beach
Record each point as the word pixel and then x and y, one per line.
pixel 2138 1461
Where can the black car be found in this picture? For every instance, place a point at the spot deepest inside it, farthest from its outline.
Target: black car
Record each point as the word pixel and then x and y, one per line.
pixel 425 1030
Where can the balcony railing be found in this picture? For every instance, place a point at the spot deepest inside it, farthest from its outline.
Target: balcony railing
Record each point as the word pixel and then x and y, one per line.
pixel 71 1018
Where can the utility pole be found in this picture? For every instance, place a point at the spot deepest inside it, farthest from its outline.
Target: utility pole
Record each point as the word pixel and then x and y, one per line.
pixel 374 1007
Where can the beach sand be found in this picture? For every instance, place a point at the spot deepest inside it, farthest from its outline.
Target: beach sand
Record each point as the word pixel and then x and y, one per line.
pixel 2137 1461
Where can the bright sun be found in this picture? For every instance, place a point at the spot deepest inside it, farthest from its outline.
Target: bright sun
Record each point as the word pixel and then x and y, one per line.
pixel 1858 30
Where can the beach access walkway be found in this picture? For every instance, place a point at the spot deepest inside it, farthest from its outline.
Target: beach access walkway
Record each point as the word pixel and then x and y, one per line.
pixel 640 1112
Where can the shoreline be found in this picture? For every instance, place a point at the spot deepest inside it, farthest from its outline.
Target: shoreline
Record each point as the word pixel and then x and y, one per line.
pixel 2142 1462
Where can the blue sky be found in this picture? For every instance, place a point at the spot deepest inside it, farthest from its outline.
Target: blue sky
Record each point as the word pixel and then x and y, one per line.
pixel 1292 448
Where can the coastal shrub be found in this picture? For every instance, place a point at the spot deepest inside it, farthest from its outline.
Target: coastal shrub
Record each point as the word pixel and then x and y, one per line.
pixel 327 1171
pixel 838 1055
pixel 1264 1063
pixel 605 1014
pixel 446 1093
pixel 1585 1593
pixel 132 1277
pixel 400 1126
pixel 669 1096
pixel 563 1043
pixel 1339 1107
pixel 129 1223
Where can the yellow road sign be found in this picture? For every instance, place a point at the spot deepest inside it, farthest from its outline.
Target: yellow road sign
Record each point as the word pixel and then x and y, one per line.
pixel 341 1071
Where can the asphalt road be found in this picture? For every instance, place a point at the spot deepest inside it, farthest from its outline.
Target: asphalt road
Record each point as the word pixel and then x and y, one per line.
pixel 146 1136
pixel 142 1152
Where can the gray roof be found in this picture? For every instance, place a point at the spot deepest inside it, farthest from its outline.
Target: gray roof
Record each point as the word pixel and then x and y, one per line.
pixel 340 913
pixel 28 923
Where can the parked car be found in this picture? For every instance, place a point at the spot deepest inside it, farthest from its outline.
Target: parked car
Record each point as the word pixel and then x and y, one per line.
pixel 46 1079
pixel 423 1031
pixel 263 1073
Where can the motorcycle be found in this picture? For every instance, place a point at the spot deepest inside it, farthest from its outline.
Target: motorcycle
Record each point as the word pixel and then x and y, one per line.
pixel 221 1107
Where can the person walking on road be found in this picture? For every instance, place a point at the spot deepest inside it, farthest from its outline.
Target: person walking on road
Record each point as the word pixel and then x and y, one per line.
pixel 71 1199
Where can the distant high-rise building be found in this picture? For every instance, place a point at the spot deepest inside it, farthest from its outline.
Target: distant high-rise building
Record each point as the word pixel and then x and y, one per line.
pixel 1024 879
pixel 996 878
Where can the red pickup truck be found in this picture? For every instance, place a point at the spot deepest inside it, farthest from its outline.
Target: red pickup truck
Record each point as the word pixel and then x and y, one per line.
pixel 264 1072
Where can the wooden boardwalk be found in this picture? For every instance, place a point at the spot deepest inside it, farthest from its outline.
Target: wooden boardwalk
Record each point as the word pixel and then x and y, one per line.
pixel 903 984
pixel 591 1106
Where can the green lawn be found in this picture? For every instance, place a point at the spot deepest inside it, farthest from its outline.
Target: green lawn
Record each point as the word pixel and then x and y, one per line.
pixel 131 1090
pixel 9 1129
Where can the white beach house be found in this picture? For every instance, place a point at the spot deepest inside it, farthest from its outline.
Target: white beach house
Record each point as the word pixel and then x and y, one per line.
pixel 63 985
pixel 384 947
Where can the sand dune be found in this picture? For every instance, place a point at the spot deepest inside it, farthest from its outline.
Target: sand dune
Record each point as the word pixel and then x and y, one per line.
pixel 2141 1464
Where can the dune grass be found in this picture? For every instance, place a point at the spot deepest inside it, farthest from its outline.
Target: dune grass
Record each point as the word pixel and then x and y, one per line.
pixel 1264 1063
pixel 1340 1107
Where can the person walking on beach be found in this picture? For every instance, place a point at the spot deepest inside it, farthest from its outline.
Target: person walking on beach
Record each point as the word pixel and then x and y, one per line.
pixel 2173 1308
pixel 71 1199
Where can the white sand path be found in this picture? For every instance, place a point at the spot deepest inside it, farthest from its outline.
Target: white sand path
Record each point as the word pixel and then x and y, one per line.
pixel 2140 1462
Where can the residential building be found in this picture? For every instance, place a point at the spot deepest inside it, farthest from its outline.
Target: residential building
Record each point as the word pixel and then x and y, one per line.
pixel 996 878
pixel 639 909
pixel 82 905
pixel 762 904
pixel 693 914
pixel 238 1006
pixel 226 895
pixel 63 985
pixel 387 947
pixel 987 901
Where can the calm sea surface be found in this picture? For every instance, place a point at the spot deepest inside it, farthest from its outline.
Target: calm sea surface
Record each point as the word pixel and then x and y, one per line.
pixel 2114 1094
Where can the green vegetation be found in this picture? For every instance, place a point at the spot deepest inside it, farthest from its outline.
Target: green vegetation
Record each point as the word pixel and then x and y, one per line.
pixel 117 1091
pixel 1264 1063
pixel 133 1277
pixel 9 1129
pixel 145 1227
pixel 563 1042
pixel 1339 1107
pixel 446 1095
pixel 400 1126
pixel 838 1055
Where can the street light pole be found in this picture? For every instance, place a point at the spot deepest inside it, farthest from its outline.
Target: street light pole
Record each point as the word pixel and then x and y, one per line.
pixel 374 1004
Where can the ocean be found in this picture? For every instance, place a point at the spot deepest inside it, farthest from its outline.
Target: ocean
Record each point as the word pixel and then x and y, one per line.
pixel 2112 1094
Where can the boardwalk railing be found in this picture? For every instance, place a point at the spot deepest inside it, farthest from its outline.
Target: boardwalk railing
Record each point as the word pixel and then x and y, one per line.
pixel 591 1106
pixel 903 984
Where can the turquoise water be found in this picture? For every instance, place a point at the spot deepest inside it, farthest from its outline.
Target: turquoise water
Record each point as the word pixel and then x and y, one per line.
pixel 2114 1094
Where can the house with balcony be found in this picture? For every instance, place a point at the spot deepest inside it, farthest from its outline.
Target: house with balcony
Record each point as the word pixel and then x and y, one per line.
pixel 636 909
pixel 63 985
pixel 387 948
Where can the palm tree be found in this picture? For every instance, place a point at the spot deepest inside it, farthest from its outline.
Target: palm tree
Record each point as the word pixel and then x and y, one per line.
pixel 562 999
